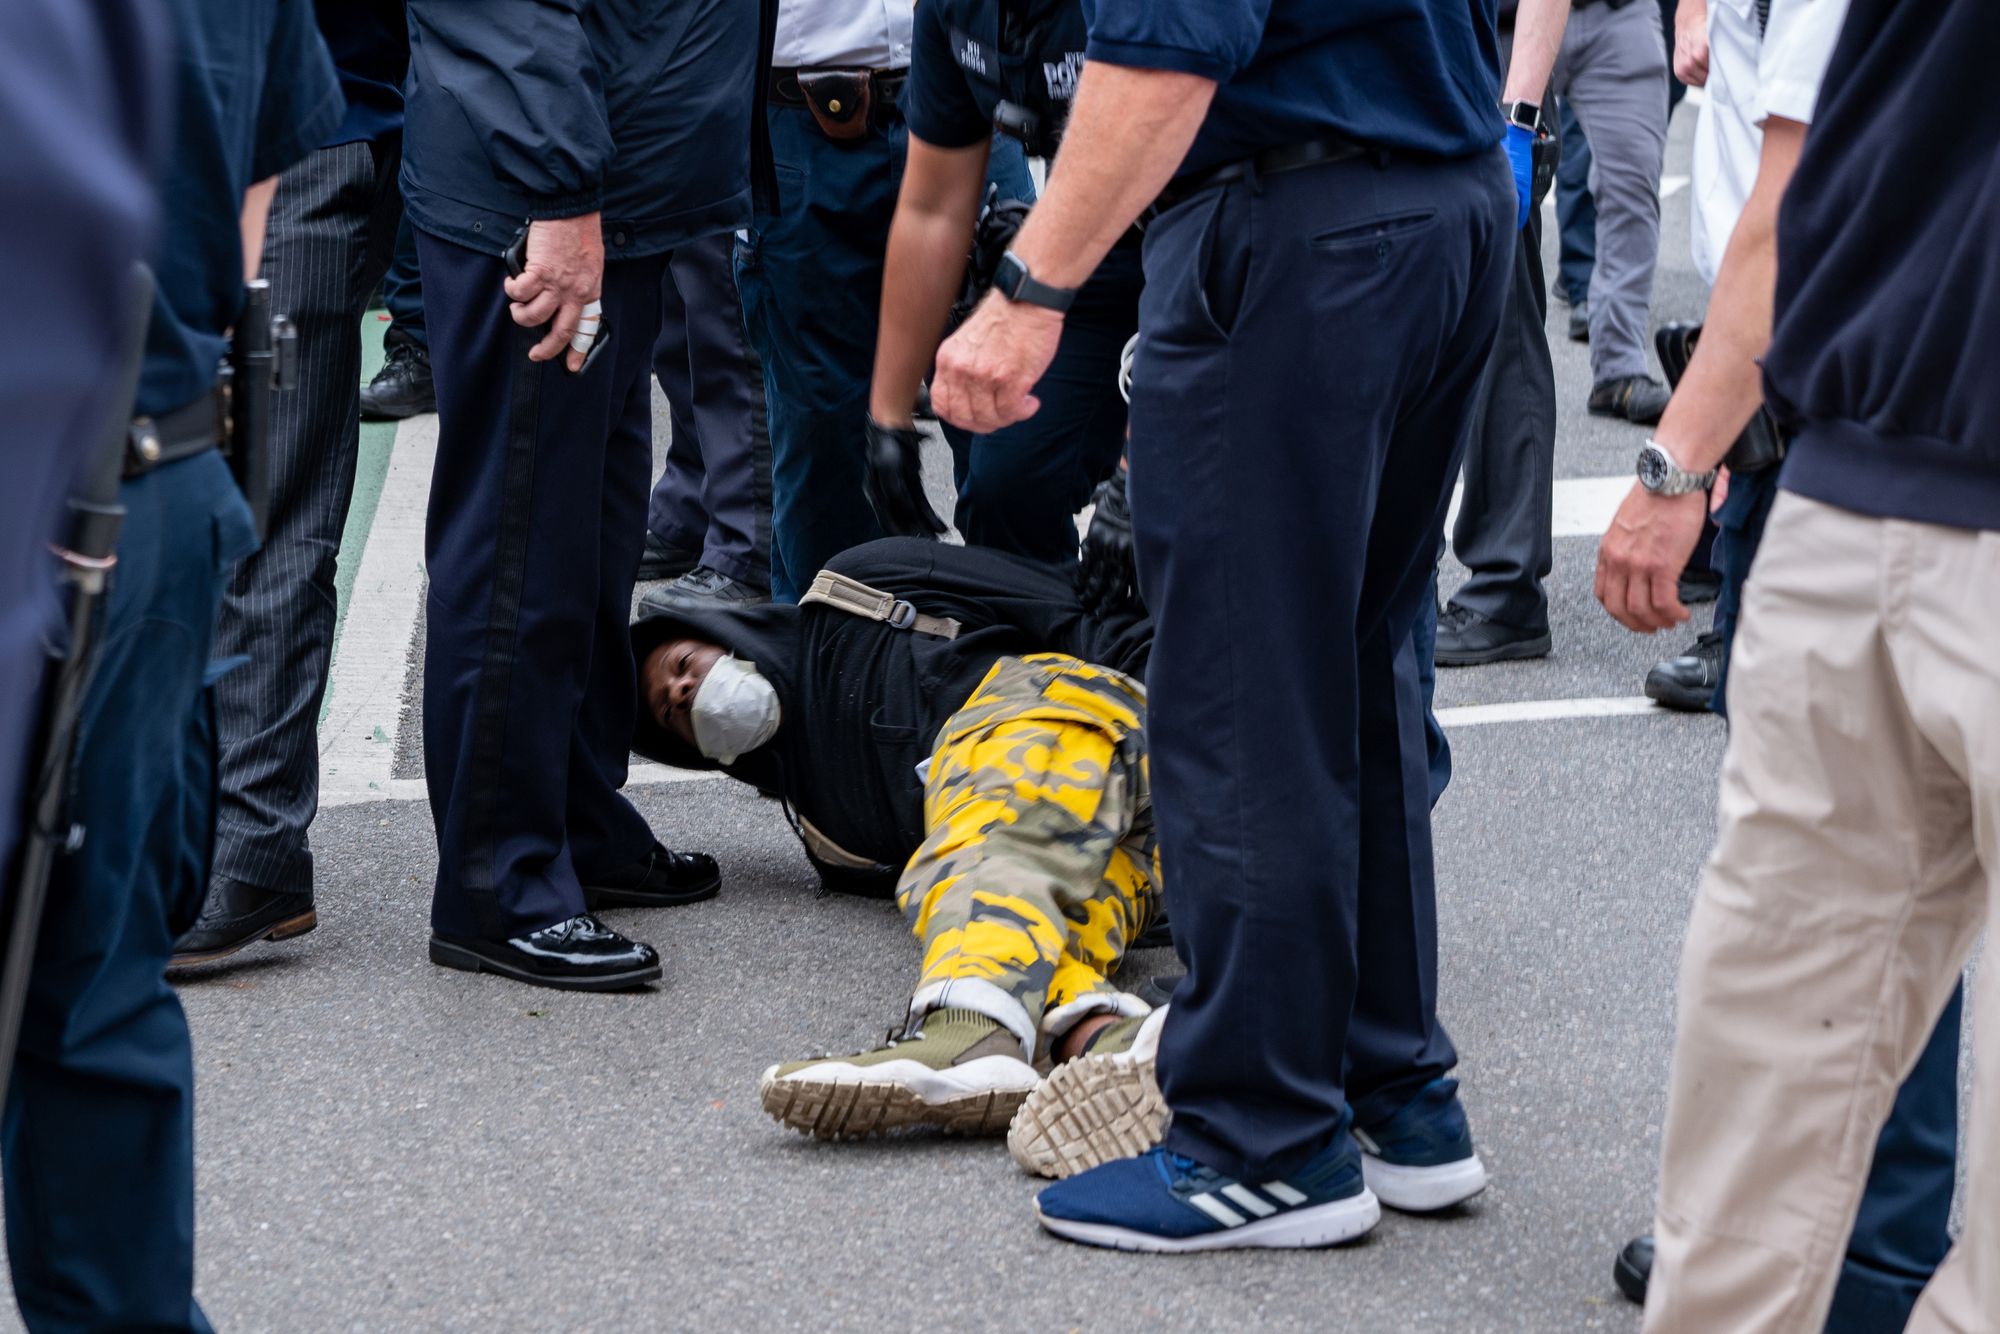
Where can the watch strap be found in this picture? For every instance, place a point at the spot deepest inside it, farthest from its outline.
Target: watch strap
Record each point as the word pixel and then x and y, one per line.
pixel 1014 281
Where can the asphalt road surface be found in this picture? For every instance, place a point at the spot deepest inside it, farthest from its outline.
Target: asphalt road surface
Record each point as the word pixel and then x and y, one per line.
pixel 387 1145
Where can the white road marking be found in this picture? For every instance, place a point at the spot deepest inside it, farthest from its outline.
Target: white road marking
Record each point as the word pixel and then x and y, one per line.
pixel 1583 505
pixel 643 774
pixel 1547 710
pixel 357 744
pixel 1672 185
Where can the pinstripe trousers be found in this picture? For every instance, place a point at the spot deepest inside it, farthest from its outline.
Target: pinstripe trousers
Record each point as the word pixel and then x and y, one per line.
pixel 332 232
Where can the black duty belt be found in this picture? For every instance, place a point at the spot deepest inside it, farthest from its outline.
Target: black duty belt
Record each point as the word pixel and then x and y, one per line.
pixel 1270 162
pixel 842 91
pixel 191 429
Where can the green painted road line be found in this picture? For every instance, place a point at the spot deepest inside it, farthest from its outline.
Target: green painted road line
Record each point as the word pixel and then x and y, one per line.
pixel 378 441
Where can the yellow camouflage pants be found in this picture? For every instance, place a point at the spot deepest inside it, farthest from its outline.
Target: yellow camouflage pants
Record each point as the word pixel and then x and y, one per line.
pixel 1041 863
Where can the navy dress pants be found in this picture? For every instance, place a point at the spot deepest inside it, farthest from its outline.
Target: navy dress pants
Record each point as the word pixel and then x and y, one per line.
pixel 714 498
pixel 537 518
pixel 1019 489
pixel 811 280
pixel 98 1137
pixel 403 293
pixel 1312 344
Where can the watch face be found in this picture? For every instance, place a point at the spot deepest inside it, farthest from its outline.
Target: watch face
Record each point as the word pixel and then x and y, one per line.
pixel 1652 469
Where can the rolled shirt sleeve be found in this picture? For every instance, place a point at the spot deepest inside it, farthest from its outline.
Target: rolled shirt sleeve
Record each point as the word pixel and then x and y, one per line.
pixel 1798 43
pixel 300 103
pixel 1212 39
pixel 523 75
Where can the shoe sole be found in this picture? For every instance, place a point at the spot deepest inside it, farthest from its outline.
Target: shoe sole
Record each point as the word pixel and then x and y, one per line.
pixel 449 955
pixel 603 896
pixel 1320 1225
pixel 1423 1190
pixel 285 930
pixel 1537 647
pixel 859 1108
pixel 1093 1110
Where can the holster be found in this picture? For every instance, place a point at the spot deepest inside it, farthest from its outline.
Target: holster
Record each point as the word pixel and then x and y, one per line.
pixel 839 99
pixel 263 358
pixel 1762 444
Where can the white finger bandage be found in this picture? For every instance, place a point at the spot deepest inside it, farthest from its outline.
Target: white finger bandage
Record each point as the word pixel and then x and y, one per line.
pixel 587 327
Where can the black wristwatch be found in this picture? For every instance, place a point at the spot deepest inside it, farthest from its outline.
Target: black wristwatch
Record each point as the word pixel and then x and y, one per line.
pixel 1527 115
pixel 1012 280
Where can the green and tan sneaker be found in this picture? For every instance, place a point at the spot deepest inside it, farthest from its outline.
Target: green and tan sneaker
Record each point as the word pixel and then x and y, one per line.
pixel 1102 1105
pixel 956 1070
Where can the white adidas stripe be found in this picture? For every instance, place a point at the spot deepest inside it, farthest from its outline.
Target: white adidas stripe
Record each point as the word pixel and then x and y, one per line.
pixel 1217 1210
pixel 1278 1190
pixel 1249 1200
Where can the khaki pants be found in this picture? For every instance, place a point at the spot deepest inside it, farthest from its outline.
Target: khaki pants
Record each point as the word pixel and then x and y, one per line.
pixel 1858 858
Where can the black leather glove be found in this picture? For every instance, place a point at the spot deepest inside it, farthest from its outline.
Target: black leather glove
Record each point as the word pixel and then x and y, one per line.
pixel 1108 578
pixel 895 481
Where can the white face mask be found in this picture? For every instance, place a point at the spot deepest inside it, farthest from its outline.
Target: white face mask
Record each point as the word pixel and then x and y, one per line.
pixel 735 710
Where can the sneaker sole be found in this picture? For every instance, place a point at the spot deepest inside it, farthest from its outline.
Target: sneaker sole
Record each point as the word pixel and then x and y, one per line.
pixel 1093 1110
pixel 448 955
pixel 1423 1190
pixel 856 1108
pixel 1537 647
pixel 1320 1225
pixel 285 930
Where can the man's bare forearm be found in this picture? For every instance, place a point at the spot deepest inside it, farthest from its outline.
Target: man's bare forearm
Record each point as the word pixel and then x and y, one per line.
pixel 1127 136
pixel 1724 386
pixel 1538 35
pixel 922 273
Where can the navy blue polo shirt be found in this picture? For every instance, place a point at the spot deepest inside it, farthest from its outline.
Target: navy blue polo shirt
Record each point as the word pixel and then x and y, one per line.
pixel 370 44
pixel 1888 298
pixel 962 67
pixel 1418 75
pixel 254 92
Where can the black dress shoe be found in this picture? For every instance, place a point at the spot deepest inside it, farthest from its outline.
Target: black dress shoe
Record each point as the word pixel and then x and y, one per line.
pixel 1636 398
pixel 402 388
pixel 1158 989
pixel 661 561
pixel 235 915
pixel 1467 639
pixel 1633 1268
pixel 667 879
pixel 1699 586
pixel 1688 682
pixel 581 954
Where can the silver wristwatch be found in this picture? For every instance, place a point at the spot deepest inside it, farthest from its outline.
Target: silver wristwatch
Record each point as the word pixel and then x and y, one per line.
pixel 1659 474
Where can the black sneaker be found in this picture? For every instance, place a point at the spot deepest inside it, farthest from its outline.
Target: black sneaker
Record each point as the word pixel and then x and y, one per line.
pixel 1636 398
pixel 1633 1269
pixel 1688 682
pixel 1699 586
pixel 704 587
pixel 402 388
pixel 236 915
pixel 1467 639
pixel 1579 323
pixel 662 561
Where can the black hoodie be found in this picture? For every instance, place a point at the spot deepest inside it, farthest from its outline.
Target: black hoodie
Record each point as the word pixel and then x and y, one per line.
pixel 863 703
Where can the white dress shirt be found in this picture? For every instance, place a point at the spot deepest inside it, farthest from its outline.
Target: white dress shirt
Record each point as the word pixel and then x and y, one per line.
pixel 1751 77
pixel 870 33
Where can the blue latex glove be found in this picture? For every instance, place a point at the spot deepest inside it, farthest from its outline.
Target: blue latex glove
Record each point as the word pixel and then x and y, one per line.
pixel 1521 157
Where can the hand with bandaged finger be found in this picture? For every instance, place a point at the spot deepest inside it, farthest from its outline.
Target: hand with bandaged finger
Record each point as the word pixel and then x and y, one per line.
pixel 561 279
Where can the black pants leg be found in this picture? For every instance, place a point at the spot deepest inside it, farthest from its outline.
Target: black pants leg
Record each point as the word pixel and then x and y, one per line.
pixel 1504 534
pixel 1311 350
pixel 332 231
pixel 535 527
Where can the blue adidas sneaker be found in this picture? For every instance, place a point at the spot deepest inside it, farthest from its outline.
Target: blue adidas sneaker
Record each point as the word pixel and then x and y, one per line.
pixel 1161 1201
pixel 1421 1159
